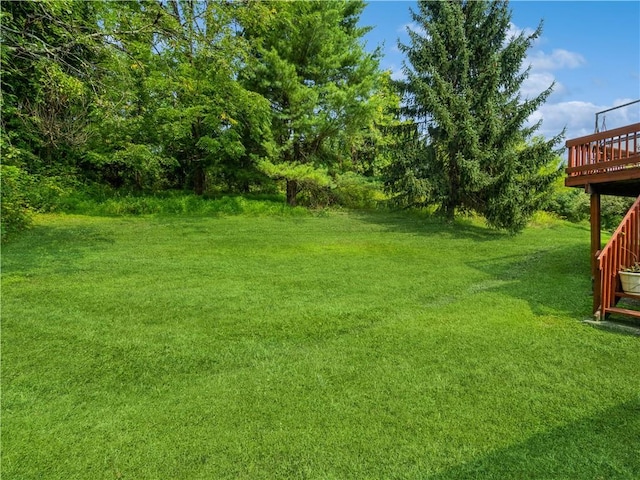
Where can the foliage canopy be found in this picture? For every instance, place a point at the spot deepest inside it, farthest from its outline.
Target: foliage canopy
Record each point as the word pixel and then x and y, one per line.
pixel 147 95
pixel 252 96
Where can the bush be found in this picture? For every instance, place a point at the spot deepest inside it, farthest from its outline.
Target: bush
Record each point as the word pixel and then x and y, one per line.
pixel 49 193
pixel 355 191
pixel 574 205
pixel 348 190
pixel 14 208
pixel 569 203
pixel 109 202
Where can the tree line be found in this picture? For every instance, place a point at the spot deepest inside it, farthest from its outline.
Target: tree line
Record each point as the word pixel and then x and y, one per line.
pixel 248 95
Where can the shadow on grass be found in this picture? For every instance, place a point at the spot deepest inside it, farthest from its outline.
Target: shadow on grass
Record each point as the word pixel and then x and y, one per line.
pixel 603 446
pixel 553 279
pixel 49 246
pixel 423 224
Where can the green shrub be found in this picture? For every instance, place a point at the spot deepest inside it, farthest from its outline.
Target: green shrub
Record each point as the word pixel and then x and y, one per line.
pixel 48 193
pixel 573 204
pixel 355 191
pixel 348 190
pixel 100 201
pixel 13 202
pixel 315 196
pixel 569 203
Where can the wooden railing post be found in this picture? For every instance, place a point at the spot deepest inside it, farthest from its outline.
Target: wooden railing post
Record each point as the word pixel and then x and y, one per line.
pixel 596 245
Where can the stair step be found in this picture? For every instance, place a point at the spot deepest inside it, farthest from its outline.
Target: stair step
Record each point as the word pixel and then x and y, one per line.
pixel 628 295
pixel 624 311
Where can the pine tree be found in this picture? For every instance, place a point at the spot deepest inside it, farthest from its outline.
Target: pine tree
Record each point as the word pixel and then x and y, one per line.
pixel 320 82
pixel 463 79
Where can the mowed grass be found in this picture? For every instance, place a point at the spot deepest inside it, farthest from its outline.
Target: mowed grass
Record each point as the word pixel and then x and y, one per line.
pixel 334 346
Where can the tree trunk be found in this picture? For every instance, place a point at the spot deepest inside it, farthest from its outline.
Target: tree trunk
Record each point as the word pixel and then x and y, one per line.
pixel 453 198
pixel 199 180
pixel 450 209
pixel 292 192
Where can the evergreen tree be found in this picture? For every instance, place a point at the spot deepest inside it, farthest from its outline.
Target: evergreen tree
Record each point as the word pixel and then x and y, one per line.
pixel 463 80
pixel 320 83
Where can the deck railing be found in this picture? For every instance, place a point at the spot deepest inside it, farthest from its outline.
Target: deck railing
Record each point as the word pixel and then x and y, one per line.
pixel 603 153
pixel 622 250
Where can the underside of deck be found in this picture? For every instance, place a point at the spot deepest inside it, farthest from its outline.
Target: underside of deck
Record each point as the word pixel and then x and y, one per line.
pixel 626 187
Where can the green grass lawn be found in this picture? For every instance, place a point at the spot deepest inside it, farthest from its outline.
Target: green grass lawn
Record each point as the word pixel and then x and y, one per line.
pixel 334 346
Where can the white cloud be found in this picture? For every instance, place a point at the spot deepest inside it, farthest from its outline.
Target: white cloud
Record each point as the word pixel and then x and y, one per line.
pixel 623 101
pixel 579 117
pixel 413 26
pixel 625 115
pixel 557 59
pixel 398 74
pixel 514 31
pixel 536 83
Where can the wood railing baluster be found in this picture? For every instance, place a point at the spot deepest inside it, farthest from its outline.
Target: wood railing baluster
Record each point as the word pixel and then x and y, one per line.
pixel 605 154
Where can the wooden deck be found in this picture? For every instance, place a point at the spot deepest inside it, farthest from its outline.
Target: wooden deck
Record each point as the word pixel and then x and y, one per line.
pixel 608 162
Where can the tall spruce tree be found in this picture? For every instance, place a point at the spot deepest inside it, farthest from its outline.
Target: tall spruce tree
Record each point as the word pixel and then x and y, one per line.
pixel 463 80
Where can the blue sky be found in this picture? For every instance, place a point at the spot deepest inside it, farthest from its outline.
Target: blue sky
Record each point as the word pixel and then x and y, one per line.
pixel 591 49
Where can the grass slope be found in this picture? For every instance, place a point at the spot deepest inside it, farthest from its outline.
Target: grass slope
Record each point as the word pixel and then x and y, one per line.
pixel 335 346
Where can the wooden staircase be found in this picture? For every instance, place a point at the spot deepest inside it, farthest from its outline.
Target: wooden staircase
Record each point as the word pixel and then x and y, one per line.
pixel 622 250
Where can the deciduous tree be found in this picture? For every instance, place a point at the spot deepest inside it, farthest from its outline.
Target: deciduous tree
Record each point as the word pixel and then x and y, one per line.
pixel 50 53
pixel 205 115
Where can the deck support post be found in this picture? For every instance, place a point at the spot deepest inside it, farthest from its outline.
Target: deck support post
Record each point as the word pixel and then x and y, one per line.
pixel 596 246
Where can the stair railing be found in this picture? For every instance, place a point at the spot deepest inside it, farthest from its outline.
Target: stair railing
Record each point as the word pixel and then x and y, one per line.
pixel 622 250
